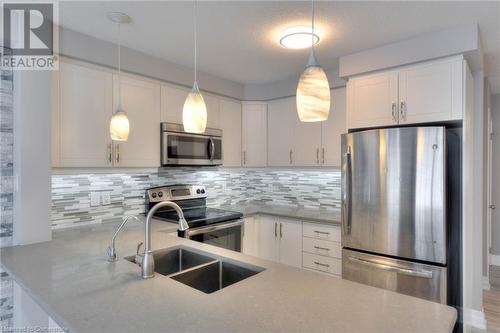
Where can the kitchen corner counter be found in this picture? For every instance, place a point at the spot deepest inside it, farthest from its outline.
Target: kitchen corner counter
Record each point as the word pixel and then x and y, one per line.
pixel 71 280
pixel 306 214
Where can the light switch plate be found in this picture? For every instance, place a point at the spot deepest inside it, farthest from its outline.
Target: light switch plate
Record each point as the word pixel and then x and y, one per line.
pixel 95 199
pixel 106 198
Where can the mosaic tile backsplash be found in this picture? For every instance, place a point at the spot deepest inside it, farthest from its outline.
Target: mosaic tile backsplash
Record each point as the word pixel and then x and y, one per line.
pixel 6 187
pixel 298 188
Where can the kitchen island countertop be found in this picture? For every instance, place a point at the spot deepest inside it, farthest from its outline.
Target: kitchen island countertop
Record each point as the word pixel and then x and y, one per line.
pixel 71 280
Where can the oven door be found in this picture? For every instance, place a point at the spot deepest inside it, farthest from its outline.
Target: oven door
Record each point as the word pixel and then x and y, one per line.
pixel 228 235
pixel 190 149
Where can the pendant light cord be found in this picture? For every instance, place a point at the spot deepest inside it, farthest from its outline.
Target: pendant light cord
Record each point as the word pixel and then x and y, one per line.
pixel 195 38
pixel 119 68
pixel 312 25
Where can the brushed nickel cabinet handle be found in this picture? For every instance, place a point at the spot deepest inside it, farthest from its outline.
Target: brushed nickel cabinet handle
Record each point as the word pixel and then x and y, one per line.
pixel 291 157
pixel 321 248
pixel 281 230
pixel 275 229
pixel 109 154
pixel 402 110
pixel 321 264
pixel 244 158
pixel 323 155
pixel 118 154
pixel 317 155
pixel 394 112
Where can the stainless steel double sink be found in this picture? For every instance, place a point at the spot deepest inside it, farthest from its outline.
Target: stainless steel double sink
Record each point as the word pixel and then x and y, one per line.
pixel 200 270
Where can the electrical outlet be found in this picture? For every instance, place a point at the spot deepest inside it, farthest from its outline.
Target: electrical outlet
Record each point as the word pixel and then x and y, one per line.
pixel 106 198
pixel 95 199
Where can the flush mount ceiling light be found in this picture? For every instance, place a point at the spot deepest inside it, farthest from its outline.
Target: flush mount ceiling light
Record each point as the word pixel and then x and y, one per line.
pixel 119 126
pixel 298 37
pixel 313 89
pixel 194 112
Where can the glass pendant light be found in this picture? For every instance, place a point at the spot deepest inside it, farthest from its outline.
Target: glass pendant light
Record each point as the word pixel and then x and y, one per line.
pixel 313 89
pixel 194 112
pixel 119 126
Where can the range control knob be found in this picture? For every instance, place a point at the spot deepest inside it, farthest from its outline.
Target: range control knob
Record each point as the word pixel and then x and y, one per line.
pixel 202 191
pixel 153 195
pixel 198 191
pixel 160 194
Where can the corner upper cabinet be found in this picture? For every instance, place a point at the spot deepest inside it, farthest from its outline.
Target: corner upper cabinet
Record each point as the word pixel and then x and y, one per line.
pixel 254 134
pixel 230 123
pixel 85 108
pixel 372 100
pixel 282 123
pixel 141 101
pixel 429 92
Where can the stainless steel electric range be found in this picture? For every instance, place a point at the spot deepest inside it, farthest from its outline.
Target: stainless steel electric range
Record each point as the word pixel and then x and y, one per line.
pixel 209 225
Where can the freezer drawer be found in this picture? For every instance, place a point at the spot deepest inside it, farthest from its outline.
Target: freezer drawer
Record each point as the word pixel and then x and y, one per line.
pixel 393 192
pixel 405 277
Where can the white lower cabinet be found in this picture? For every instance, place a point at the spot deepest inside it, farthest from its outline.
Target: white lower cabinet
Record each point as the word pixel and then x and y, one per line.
pixel 250 244
pixel 322 250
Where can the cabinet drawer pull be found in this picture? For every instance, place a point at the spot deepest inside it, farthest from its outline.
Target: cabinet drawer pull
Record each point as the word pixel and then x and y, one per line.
pixel 321 232
pixel 321 264
pixel 321 248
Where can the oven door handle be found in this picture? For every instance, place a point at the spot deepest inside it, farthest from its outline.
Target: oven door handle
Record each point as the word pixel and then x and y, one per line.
pixel 219 226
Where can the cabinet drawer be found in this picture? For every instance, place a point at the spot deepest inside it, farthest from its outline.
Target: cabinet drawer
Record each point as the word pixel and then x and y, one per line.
pixel 321 263
pixel 322 231
pixel 322 247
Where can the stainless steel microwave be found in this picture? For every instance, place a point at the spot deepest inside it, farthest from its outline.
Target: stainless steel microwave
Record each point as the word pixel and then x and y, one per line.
pixel 182 148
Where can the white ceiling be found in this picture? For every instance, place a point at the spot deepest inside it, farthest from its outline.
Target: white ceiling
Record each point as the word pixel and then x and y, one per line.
pixel 238 39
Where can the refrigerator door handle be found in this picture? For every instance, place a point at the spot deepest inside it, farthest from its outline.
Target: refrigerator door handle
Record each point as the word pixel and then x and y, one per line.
pixel 416 273
pixel 346 202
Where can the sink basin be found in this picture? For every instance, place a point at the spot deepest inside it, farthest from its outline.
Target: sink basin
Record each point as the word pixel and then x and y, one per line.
pixel 215 276
pixel 173 260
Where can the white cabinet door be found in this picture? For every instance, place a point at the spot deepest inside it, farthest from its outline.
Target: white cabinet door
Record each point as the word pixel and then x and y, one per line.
pixel 172 102
pixel 333 128
pixel 254 134
pixel 268 238
pixel 213 110
pixel 372 99
pixel 141 102
pixel 230 123
pixel 281 132
pixel 86 104
pixel 251 236
pixel 290 236
pixel 306 143
pixel 431 92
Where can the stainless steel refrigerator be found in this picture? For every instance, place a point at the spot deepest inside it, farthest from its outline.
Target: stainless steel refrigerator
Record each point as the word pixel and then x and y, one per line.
pixel 401 211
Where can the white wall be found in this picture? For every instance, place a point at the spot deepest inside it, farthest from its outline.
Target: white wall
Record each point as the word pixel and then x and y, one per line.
pixel 32 156
pixel 495 214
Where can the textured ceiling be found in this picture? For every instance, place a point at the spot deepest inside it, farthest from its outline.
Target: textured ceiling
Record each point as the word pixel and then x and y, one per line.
pixel 238 39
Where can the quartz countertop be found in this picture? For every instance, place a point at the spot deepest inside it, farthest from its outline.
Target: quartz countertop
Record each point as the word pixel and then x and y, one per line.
pixel 70 278
pixel 306 214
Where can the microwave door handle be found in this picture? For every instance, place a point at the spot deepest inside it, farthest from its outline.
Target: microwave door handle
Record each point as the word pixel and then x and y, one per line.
pixel 212 149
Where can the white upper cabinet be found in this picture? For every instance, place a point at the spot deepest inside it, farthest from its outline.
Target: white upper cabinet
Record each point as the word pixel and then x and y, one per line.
pixel 429 92
pixel 141 102
pixel 85 107
pixel 333 128
pixel 254 134
pixel 230 123
pixel 172 102
pixel 213 110
pixel 306 139
pixel 282 121
pixel 372 100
